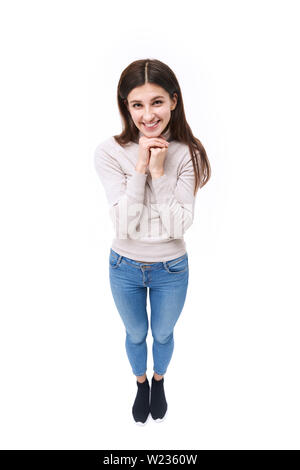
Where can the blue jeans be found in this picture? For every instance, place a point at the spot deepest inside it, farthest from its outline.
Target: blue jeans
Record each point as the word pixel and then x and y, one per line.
pixel 167 282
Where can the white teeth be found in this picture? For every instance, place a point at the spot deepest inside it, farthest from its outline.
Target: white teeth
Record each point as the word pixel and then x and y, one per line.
pixel 151 125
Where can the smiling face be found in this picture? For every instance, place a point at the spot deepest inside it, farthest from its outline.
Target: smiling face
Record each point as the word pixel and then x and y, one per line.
pixel 148 104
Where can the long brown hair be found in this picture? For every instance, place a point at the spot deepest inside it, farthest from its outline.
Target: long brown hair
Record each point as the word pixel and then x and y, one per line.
pixel 154 71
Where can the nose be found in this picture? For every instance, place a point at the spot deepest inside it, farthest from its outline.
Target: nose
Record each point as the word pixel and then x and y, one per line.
pixel 148 116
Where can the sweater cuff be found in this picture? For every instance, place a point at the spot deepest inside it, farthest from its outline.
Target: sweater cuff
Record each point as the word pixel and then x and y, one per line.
pixel 162 188
pixel 136 186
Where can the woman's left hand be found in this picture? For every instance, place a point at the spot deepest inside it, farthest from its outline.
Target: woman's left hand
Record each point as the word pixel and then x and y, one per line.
pixel 156 162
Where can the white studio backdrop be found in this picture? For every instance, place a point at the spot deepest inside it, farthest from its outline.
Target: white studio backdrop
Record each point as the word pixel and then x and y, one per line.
pixel 233 380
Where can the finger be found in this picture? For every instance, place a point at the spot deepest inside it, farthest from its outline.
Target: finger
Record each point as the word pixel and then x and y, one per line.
pixel 158 144
pixel 157 140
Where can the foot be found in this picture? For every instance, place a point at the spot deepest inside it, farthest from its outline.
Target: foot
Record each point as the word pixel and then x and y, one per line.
pixel 158 402
pixel 141 408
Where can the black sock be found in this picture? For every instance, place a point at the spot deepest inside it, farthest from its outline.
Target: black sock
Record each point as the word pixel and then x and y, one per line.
pixel 141 408
pixel 158 402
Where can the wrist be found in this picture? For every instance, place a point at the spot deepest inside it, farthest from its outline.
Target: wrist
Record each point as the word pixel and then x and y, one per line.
pixel 157 174
pixel 140 168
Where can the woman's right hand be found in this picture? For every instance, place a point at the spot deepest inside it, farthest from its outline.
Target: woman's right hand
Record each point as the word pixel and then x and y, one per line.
pixel 145 143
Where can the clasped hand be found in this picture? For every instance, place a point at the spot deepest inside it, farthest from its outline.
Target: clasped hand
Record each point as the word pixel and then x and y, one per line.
pixel 152 154
pixel 157 160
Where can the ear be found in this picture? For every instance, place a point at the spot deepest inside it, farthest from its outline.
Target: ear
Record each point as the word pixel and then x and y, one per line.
pixel 174 99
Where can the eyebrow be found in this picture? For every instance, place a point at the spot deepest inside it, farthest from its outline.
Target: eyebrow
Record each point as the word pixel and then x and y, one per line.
pixel 138 101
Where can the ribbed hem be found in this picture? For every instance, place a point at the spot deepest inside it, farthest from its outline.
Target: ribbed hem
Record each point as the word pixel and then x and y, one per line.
pixel 156 252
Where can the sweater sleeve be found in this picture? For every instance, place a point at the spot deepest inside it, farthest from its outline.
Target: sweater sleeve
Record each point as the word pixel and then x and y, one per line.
pixel 176 205
pixel 125 197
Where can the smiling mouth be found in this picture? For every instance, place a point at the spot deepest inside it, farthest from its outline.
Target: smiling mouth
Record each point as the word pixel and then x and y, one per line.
pixel 152 125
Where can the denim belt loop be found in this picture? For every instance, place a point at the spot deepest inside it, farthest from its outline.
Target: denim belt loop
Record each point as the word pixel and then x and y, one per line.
pixel 119 260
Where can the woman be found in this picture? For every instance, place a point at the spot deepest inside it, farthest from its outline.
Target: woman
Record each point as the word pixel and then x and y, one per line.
pixel 151 173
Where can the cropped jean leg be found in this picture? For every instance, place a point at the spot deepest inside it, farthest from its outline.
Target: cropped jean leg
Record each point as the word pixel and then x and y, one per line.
pixel 167 301
pixel 167 282
pixel 130 300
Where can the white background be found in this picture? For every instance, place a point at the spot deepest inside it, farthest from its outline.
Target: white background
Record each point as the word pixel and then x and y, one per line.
pixel 233 381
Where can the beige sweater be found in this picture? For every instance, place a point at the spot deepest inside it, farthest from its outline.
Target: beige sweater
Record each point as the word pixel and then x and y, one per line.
pixel 149 215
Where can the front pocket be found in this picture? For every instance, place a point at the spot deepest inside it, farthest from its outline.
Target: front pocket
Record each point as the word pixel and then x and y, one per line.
pixel 113 260
pixel 178 266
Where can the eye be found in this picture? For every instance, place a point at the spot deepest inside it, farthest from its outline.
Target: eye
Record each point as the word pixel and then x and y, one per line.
pixel 138 104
